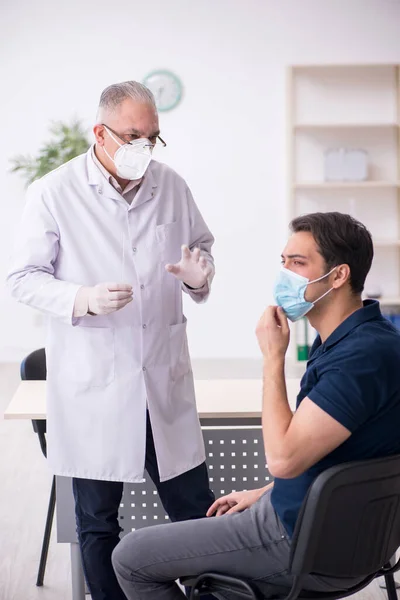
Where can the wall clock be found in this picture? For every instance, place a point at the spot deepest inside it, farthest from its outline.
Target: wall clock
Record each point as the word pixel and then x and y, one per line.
pixel 166 87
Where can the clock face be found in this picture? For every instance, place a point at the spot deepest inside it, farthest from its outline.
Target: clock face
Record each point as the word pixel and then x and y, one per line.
pixel 166 87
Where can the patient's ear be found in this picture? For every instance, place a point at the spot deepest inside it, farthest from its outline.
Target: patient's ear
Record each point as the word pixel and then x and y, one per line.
pixel 341 275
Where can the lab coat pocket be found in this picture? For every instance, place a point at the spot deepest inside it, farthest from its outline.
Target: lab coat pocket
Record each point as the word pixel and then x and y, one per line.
pixel 169 241
pixel 179 351
pixel 89 356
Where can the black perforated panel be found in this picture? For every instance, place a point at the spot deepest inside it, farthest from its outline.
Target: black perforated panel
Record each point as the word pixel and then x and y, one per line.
pixel 235 460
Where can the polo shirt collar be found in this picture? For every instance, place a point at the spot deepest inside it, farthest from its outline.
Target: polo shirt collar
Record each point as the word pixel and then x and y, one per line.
pixel 371 310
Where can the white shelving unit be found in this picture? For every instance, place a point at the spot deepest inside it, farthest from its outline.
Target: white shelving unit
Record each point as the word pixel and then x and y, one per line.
pixel 358 107
pixel 354 107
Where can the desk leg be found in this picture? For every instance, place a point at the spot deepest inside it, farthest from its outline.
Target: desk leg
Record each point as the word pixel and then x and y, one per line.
pixel 78 580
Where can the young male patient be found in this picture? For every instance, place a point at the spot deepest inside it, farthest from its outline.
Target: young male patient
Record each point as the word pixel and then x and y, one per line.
pixel 348 409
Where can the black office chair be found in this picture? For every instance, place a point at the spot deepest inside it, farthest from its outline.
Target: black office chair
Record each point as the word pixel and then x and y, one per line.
pixel 33 367
pixel 348 527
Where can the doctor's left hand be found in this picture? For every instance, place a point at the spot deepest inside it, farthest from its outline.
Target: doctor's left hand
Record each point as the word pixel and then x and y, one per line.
pixel 192 269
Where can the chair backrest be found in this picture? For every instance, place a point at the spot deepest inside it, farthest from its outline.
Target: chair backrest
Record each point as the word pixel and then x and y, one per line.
pixel 33 367
pixel 349 525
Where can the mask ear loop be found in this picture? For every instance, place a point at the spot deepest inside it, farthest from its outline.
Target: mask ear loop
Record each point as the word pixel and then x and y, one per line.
pixel 319 279
pixel 323 296
pixel 110 133
pixel 116 141
pixel 322 277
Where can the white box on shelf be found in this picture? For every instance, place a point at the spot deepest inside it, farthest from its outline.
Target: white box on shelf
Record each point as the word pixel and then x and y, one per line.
pixel 334 164
pixel 342 164
pixel 356 165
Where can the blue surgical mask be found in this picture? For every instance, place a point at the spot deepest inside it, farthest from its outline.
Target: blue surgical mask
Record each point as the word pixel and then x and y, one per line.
pixel 289 292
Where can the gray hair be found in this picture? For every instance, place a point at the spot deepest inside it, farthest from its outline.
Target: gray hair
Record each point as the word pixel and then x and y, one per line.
pixel 116 93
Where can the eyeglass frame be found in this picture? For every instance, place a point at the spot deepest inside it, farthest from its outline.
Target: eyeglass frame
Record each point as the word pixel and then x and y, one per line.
pixel 138 138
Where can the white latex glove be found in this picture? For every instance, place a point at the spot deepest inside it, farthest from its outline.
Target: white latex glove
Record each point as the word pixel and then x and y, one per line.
pixel 192 269
pixel 105 298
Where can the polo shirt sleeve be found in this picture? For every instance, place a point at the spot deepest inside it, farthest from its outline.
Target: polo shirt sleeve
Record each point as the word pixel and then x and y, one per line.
pixel 348 393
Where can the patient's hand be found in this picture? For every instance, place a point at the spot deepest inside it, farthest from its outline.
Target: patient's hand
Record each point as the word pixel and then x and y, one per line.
pixel 235 502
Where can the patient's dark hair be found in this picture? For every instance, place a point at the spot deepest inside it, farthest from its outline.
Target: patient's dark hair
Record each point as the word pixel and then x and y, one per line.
pixel 341 239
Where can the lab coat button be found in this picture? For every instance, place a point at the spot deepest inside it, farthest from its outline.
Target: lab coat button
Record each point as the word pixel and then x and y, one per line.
pixel 100 190
pixel 134 250
pixel 142 287
pixel 144 326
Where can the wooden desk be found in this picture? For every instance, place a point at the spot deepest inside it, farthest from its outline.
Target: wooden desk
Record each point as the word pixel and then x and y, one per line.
pixel 216 398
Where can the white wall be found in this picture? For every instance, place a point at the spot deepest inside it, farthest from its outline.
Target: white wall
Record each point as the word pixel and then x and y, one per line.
pixel 227 138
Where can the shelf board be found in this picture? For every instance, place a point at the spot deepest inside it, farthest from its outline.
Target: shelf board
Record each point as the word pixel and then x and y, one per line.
pixel 331 126
pixel 343 185
pixel 344 66
pixel 387 243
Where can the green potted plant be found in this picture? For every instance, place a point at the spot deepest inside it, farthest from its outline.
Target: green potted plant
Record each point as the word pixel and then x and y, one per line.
pixel 68 141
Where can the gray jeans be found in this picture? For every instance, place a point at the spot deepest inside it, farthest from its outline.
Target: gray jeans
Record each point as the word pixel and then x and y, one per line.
pixel 252 544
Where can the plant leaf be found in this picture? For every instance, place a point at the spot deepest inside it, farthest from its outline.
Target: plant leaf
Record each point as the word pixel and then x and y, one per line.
pixel 67 141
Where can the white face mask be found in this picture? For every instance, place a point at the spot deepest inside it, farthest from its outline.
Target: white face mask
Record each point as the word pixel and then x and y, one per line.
pixel 131 159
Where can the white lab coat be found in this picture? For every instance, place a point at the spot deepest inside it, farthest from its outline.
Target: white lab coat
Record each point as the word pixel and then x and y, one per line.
pixel 103 371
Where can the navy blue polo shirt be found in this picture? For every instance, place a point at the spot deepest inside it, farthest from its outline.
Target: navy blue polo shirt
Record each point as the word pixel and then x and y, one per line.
pixel 354 376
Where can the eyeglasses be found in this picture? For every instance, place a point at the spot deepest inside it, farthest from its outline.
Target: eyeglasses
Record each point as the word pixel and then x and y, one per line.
pixel 133 137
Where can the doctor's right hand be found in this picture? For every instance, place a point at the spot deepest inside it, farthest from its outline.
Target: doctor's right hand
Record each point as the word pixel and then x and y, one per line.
pixel 102 299
pixel 106 298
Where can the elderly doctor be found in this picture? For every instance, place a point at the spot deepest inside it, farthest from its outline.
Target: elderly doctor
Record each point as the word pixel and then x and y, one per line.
pixel 107 243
